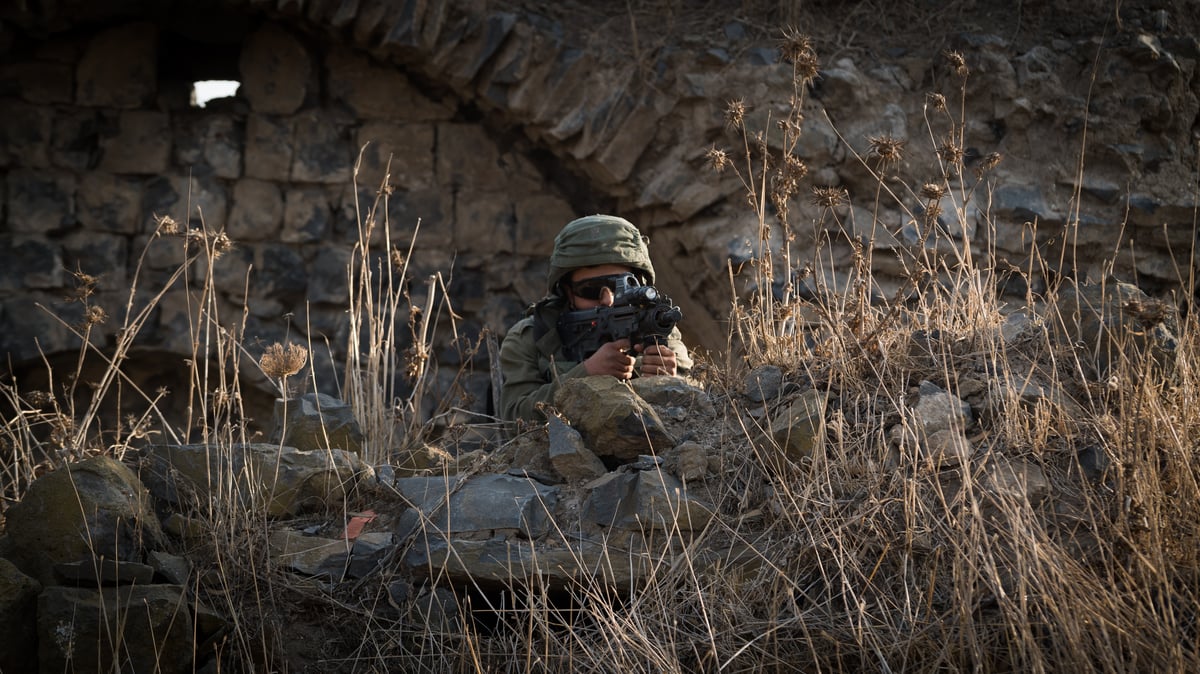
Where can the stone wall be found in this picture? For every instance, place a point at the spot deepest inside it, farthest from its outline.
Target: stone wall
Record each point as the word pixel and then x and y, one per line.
pixel 500 128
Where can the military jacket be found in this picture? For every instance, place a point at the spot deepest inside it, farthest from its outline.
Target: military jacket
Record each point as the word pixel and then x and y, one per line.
pixel 533 365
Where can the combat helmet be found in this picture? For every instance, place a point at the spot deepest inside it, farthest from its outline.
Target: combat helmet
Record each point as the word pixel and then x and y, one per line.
pixel 595 240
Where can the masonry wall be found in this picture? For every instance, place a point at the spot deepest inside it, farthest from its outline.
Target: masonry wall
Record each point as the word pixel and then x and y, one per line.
pixel 100 141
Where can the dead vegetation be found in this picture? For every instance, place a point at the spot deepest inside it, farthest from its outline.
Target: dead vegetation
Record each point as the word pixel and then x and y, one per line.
pixel 866 555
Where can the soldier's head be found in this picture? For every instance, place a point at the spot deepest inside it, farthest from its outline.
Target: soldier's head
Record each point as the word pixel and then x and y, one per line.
pixel 596 241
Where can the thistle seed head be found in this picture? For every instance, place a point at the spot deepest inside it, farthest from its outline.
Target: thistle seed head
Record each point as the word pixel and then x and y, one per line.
pixel 936 101
pixel 957 62
pixel 796 48
pixel 933 191
pixel 951 153
pixel 735 114
pixel 828 197
pixel 279 361
pixel 717 159
pixel 886 149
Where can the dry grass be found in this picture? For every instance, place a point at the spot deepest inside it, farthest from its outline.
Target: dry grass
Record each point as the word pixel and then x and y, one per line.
pixel 865 556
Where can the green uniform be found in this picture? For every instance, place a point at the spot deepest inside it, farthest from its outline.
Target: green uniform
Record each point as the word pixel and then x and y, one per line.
pixel 533 365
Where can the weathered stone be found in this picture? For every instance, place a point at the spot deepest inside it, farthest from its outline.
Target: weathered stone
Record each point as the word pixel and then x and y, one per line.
pixel 35 332
pixel 375 91
pixel 688 461
pixel 174 196
pixel 482 503
pixel 645 500
pixel 1015 481
pixel 798 425
pixel 763 383
pixel 310 555
pixel 109 203
pixel 269 147
pixel 176 570
pixel 278 480
pixel 257 211
pixel 485 173
pixel 93 508
pixel 937 410
pixel 18 619
pixel 25 131
pixel 40 201
pixel 40 82
pixel 369 552
pixel 75 629
pixel 141 146
pixel 327 277
pixel 569 456
pixel 403 151
pixel 275 69
pixel 75 143
pixel 424 460
pixel 306 215
pixel 325 156
pixel 538 218
pixel 209 145
pixel 949 447
pixel 316 421
pixel 612 419
pixel 280 277
pixel 119 68
pixel 103 256
pixel 504 561
pixel 1113 323
pixel 99 571
pixel 27 263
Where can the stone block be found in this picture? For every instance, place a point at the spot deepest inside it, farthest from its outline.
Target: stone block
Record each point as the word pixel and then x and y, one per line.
pixel 257 211
pixel 306 215
pixel 39 82
pixel 327 276
pixel 269 147
pixel 173 196
pixel 539 217
pixel 484 216
pixel 100 254
pixel 18 618
pixel 24 135
pixel 569 456
pixel 41 201
pixel 375 91
pixel 119 68
pixel 325 154
pixel 141 146
pixel 76 134
pixel 645 500
pixel 405 152
pixel 209 145
pixel 483 503
pixel 30 262
pixel 276 70
pixel 33 332
pixel 483 173
pixel 281 275
pixel 109 203
pixel 316 421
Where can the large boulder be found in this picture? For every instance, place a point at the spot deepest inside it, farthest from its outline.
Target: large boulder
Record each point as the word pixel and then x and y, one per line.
pixel 1114 322
pixel 614 421
pixel 93 509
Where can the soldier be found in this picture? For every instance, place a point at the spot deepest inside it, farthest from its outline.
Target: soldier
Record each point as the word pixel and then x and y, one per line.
pixel 595 259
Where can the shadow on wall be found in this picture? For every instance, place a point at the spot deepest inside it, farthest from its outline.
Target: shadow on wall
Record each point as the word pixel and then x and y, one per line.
pixel 125 415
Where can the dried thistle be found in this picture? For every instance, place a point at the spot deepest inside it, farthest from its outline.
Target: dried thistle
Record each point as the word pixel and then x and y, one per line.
pixel 794 168
pixel 165 225
pixel 39 398
pixel 94 315
pixel 735 114
pixel 829 197
pixel 887 150
pixel 796 48
pixel 990 161
pixel 280 362
pixel 951 152
pixel 933 211
pixel 221 244
pixel 933 191
pixel 957 62
pixel 717 159
pixel 936 101
pixel 397 258
pixel 85 287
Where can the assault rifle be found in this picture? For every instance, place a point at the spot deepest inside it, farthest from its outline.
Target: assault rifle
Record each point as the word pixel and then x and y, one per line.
pixel 642 314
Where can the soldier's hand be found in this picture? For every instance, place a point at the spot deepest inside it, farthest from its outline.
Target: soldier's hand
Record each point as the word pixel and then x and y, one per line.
pixel 611 359
pixel 657 359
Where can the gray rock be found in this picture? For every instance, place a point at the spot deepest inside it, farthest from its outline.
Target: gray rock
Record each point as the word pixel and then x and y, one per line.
pixel 316 421
pixel 75 629
pixel 645 500
pixel 483 503
pixel 798 425
pixel 97 506
pixel 764 383
pixel 1108 323
pixel 275 69
pixel 569 456
pixel 101 571
pixel 18 619
pixel 279 480
pixel 612 419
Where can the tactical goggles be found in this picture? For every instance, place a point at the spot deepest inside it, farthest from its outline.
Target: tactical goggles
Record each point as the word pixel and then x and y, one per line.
pixel 593 288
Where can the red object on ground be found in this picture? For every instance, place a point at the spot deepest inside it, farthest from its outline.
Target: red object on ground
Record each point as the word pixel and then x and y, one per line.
pixel 355 526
